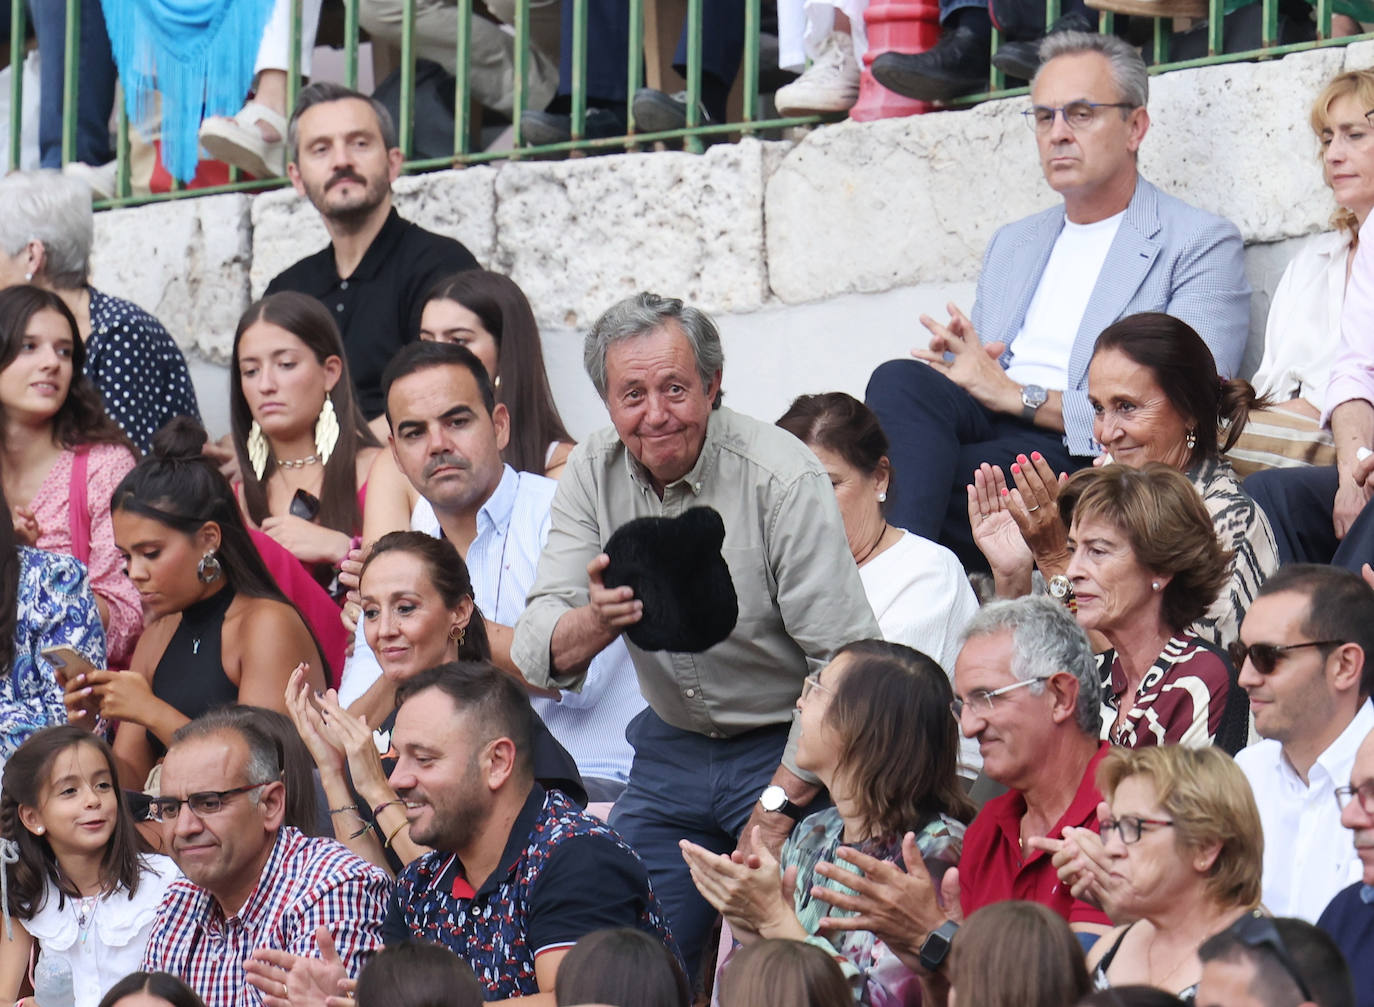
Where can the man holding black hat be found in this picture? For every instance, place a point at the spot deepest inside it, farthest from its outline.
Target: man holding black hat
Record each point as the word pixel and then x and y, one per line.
pixel 708 749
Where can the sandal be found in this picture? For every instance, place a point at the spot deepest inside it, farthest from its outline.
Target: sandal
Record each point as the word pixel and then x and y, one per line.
pixel 237 141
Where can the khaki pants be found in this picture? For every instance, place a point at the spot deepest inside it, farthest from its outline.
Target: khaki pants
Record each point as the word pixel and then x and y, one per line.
pixel 491 64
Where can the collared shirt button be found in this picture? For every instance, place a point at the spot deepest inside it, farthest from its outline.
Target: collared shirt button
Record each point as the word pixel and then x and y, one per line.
pixel 339 306
pixel 714 734
pixel 343 284
pixel 691 693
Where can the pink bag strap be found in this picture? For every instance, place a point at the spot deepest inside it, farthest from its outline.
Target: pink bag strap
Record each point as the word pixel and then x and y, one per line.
pixel 79 506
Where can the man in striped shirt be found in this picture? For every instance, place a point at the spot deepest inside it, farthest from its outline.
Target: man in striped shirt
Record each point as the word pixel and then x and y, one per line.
pixel 251 881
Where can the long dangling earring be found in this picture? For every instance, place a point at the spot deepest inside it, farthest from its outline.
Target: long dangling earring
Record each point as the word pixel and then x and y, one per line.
pixel 208 569
pixel 326 431
pixel 257 449
pixel 1191 440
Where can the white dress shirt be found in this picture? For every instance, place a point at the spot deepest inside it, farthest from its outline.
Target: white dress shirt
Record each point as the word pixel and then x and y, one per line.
pixel 511 528
pixel 1308 855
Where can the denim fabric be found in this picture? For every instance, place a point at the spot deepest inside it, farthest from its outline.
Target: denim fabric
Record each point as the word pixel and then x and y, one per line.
pixel 95 82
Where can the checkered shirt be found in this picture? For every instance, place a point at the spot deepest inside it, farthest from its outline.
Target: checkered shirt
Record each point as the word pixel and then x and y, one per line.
pixel 305 882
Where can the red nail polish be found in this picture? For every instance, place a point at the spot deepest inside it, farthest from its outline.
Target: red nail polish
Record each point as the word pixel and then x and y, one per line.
pixel 1016 468
pixel 1036 456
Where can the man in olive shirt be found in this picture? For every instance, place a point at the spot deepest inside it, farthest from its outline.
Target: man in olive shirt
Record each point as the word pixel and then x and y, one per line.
pixel 718 722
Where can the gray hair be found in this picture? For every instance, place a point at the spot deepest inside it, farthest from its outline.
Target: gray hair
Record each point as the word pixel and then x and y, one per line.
pixel 265 758
pixel 326 91
pixel 55 210
pixel 645 313
pixel 1045 640
pixel 1127 66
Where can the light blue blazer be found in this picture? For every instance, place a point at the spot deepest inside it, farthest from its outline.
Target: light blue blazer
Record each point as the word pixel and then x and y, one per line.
pixel 1166 256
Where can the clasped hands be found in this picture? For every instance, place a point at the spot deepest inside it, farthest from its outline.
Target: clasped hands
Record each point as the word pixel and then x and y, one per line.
pixel 975 367
pixel 1082 862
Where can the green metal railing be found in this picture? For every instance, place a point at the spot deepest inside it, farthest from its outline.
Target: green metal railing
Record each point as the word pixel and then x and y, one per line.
pixel 693 136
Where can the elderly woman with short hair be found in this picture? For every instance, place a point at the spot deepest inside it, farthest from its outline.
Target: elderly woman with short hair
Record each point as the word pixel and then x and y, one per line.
pixel 1144 566
pixel 45 239
pixel 1181 854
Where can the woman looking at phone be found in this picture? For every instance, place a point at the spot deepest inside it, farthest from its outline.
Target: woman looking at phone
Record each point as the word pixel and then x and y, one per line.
pixel 219 629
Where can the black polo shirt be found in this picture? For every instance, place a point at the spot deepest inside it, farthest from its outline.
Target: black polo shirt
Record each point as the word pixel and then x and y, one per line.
pixel 378 307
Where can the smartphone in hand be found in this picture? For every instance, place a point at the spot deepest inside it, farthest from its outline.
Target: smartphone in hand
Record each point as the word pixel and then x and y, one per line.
pixel 67 663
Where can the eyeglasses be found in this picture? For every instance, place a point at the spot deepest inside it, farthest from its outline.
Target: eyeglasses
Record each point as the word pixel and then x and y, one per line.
pixel 1257 931
pixel 813 681
pixel 1130 828
pixel 1265 656
pixel 203 804
pixel 1077 114
pixel 1364 793
pixel 982 699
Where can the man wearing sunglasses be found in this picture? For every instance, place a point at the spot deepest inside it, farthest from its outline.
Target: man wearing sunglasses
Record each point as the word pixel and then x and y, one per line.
pixel 1306 662
pixel 1260 961
pixel 252 882
pixel 1349 919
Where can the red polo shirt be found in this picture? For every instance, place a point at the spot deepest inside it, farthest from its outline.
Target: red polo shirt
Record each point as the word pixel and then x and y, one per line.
pixel 991 868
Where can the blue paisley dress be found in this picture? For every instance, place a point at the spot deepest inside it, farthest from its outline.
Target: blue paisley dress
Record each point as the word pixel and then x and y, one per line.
pixel 55 608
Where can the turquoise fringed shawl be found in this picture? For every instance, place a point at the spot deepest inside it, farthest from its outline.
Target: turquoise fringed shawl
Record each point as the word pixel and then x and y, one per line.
pixel 198 54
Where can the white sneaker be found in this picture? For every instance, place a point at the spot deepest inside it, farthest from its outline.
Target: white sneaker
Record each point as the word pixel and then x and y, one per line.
pixel 830 83
pixel 101 178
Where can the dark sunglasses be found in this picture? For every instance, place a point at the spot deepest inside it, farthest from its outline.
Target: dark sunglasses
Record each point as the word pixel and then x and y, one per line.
pixel 1257 931
pixel 1264 657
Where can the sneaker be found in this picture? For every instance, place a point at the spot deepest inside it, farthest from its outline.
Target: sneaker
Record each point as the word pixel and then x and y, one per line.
pixel 830 83
pixel 958 64
pixel 1022 59
pixel 656 112
pixel 103 178
pixel 540 128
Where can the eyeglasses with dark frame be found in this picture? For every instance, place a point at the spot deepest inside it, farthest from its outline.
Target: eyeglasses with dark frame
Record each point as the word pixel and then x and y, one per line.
pixel 1255 930
pixel 1364 793
pixel 983 698
pixel 1077 114
pixel 202 804
pixel 1131 827
pixel 1264 657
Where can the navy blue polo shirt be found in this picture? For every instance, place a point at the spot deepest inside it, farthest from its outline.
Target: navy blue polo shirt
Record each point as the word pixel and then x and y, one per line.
pixel 563 874
pixel 1349 920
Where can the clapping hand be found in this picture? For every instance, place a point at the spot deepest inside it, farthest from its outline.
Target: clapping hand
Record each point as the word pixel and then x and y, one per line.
pixel 975 367
pixel 747 889
pixel 287 980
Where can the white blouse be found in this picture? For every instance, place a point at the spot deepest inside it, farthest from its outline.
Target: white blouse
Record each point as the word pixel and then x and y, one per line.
pixel 116 935
pixel 1303 333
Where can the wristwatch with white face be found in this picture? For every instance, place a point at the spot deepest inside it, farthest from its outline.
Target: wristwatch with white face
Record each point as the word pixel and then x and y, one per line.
pixel 774 799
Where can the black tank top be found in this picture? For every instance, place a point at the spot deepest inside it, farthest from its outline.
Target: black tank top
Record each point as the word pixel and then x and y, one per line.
pixel 190 677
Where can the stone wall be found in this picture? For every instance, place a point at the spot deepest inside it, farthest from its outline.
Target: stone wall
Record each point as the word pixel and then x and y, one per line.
pixel 816 256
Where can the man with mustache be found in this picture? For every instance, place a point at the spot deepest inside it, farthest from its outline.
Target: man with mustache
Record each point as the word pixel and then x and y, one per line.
pixel 1349 919
pixel 447 434
pixel 377 269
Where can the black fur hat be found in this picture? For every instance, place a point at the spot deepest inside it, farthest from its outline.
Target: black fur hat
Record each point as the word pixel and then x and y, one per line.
pixel 675 567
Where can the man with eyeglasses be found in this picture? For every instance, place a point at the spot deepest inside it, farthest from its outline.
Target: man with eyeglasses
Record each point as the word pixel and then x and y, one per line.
pixel 1303 660
pixel 1260 961
pixel 1349 919
pixel 1026 686
pixel 252 882
pixel 1012 379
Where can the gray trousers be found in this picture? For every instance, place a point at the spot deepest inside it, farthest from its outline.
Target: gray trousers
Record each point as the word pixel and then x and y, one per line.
pixel 491 65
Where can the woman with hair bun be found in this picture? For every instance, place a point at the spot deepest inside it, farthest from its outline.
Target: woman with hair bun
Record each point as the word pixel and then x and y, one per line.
pixel 203 585
pixel 1156 397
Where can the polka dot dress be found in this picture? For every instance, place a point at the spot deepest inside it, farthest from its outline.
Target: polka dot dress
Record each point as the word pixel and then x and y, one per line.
pixel 137 368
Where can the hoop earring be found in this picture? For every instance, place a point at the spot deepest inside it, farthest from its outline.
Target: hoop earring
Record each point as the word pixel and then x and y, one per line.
pixel 257 450
pixel 326 431
pixel 208 570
